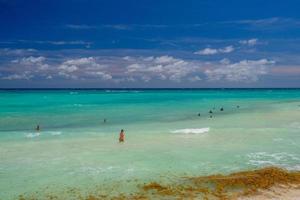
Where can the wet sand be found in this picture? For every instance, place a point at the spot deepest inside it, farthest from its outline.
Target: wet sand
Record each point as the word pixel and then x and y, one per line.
pixel 265 183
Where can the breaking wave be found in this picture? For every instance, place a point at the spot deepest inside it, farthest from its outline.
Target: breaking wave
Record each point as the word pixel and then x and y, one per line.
pixel 191 131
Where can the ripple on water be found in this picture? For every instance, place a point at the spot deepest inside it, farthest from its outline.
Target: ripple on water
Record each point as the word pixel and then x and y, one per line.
pixel 282 159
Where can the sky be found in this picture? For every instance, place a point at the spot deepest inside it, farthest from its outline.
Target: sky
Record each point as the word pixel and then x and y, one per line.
pixel 149 43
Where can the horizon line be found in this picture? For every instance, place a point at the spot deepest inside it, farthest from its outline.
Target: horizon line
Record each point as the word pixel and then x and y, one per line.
pixel 146 88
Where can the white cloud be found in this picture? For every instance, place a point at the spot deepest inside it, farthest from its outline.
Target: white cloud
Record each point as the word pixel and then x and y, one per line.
pixel 165 59
pixel 250 42
pixel 104 26
pixel 146 78
pixel 210 51
pixel 161 67
pixel 127 58
pixel 273 23
pixel 55 42
pixel 76 42
pixel 118 69
pixel 194 79
pixel 122 27
pixel 81 61
pixel 16 52
pixel 207 51
pixel 67 75
pixel 227 49
pixel 32 61
pixel 225 61
pixel 101 75
pixel 26 76
pixel 68 68
pixel 243 71
pixel 80 26
pixel 82 67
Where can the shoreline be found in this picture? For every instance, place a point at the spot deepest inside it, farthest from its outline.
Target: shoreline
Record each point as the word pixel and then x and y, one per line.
pixel 264 183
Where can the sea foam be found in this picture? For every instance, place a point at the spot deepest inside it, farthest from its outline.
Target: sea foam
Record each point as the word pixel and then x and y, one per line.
pixel 281 159
pixel 55 132
pixel 37 134
pixel 32 135
pixel 191 131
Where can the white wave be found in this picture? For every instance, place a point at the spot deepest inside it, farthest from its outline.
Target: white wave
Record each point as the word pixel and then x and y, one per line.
pixel 37 134
pixel 122 91
pixel 33 135
pixel 282 159
pixel 73 93
pixel 96 170
pixel 261 162
pixel 277 139
pixel 191 131
pixel 55 132
pixel 295 167
pixel 295 125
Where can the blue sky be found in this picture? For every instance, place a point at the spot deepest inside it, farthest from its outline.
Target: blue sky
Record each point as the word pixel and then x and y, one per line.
pixel 143 43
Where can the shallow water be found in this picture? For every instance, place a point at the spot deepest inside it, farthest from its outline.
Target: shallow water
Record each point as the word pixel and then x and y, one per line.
pixel 165 137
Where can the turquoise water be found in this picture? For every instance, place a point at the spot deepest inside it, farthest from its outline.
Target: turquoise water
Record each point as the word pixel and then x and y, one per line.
pixel 165 137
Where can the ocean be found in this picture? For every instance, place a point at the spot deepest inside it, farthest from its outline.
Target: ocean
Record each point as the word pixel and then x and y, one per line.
pixel 169 133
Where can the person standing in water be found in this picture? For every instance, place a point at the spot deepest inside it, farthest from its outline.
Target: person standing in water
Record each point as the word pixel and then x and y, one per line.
pixel 37 128
pixel 122 136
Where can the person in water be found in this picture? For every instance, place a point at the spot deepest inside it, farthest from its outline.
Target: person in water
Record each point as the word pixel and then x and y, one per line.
pixel 37 128
pixel 222 109
pixel 122 136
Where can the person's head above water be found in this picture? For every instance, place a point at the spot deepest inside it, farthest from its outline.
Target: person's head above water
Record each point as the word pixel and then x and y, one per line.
pixel 122 130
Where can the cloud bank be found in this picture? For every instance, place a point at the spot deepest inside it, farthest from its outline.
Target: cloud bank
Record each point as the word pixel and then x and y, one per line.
pixel 130 68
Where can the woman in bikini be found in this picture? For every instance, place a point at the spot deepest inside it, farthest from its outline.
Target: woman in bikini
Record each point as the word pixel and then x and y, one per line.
pixel 122 136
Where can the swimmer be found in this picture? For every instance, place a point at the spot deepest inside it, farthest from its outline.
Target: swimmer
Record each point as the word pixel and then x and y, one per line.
pixel 37 128
pixel 199 114
pixel 104 121
pixel 210 112
pixel 238 106
pixel 122 136
pixel 222 109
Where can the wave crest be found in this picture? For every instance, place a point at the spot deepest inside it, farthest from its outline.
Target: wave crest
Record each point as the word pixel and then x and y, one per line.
pixel 191 130
pixel 32 135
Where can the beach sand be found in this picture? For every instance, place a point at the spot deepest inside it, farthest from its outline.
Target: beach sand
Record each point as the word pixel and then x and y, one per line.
pixel 279 192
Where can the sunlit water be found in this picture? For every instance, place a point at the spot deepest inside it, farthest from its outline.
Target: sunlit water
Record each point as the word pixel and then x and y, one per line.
pixel 165 137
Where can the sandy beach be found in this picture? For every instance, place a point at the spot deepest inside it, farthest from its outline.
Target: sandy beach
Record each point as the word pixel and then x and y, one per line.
pixel 276 193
